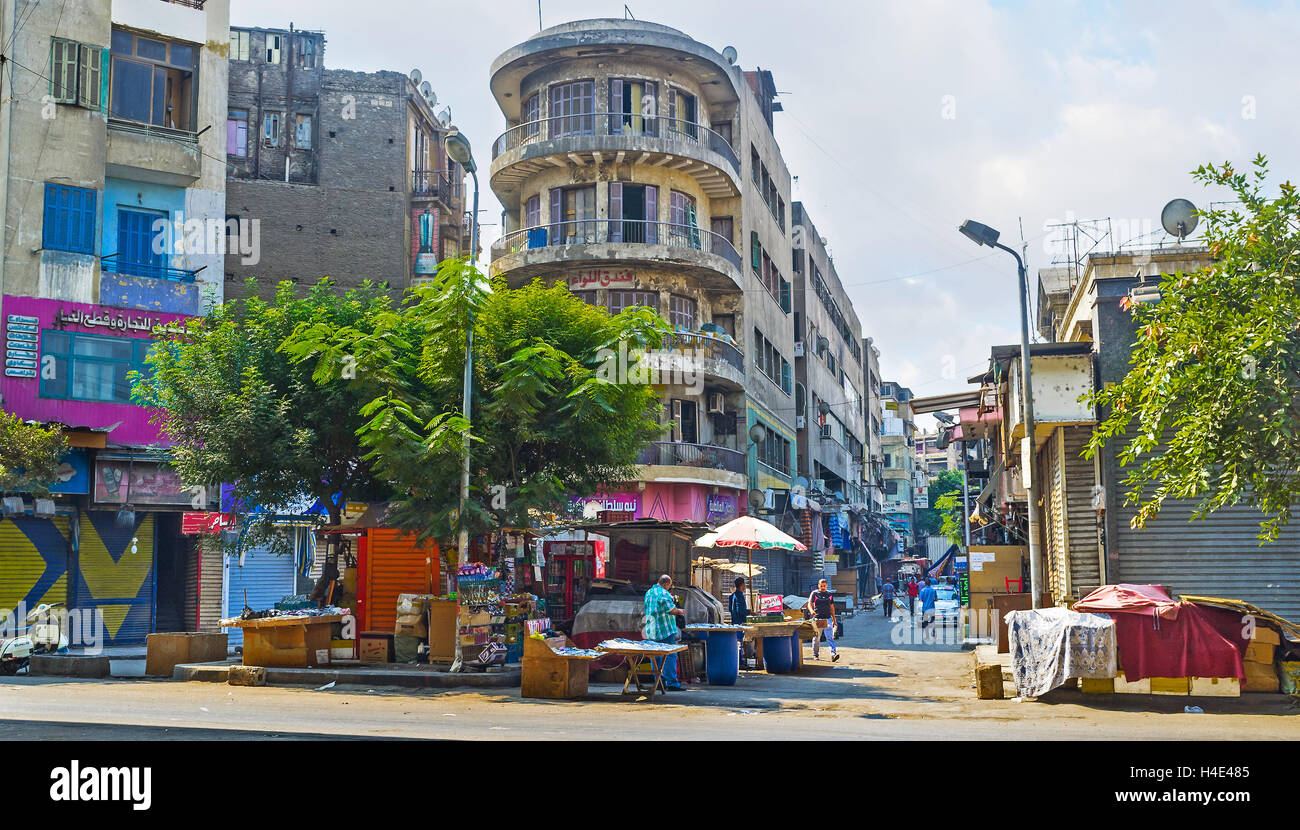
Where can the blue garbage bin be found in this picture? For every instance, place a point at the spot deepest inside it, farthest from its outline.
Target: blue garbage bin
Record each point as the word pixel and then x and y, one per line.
pixel 778 657
pixel 722 658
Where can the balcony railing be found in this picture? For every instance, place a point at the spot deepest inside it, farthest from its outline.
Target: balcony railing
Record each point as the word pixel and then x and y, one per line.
pixel 113 264
pixel 434 184
pixel 618 232
pixel 614 123
pixel 707 456
pixel 711 347
pixel 141 128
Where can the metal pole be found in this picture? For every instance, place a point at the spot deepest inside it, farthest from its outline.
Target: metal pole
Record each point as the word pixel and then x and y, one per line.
pixel 466 391
pixel 1027 398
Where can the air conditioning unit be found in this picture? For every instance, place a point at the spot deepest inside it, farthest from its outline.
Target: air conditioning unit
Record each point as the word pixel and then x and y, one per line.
pixel 798 349
pixel 800 422
pixel 717 403
pixel 826 430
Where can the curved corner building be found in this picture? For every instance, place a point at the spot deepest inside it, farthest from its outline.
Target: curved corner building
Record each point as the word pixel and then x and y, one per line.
pixel 639 166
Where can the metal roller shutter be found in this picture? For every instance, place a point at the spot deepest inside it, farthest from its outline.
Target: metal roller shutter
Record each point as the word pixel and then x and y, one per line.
pixel 115 574
pixel 394 565
pixel 212 581
pixel 33 560
pixel 1082 542
pixel 1218 556
pixel 261 580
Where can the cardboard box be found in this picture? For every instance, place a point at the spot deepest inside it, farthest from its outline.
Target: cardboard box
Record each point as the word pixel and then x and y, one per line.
pixel 1261 677
pixel 1266 634
pixel 343 649
pixel 1258 652
pixel 1215 687
pixel 411 625
pixel 375 647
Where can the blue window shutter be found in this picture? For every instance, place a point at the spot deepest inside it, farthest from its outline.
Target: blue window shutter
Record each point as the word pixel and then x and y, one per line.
pixel 68 221
pixel 52 233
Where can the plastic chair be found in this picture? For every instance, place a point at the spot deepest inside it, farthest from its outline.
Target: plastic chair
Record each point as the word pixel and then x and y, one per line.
pixel 1019 585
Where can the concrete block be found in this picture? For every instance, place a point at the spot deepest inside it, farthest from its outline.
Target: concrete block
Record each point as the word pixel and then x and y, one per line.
pixel 988 682
pixel 247 676
pixel 166 651
pixel 63 665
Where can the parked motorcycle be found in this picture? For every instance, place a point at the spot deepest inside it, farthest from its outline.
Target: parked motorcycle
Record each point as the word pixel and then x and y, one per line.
pixel 43 634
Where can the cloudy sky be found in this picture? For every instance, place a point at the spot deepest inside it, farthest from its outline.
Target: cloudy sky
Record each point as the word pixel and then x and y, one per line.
pixel 904 118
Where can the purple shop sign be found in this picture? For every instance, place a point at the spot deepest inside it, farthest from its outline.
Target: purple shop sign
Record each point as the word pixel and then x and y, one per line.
pixel 622 502
pixel 721 509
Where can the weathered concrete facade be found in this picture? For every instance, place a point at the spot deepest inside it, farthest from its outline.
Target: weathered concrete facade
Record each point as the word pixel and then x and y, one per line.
pixel 898 448
pixel 828 368
pixel 873 424
pixel 335 167
pixel 625 171
pixel 77 137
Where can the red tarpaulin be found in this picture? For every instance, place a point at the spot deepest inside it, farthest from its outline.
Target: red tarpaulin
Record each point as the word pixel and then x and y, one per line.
pixel 1147 600
pixel 1201 642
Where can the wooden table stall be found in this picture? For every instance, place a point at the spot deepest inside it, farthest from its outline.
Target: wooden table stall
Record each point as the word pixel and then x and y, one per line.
pixel 286 642
pixel 760 633
pixel 632 657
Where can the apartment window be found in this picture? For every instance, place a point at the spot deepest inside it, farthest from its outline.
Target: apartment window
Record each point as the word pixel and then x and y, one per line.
pixel 588 297
pixel 271 129
pixel 772 364
pixel 774 451
pixel 633 213
pixel 137 252
pixel 686 421
pixel 682 220
pixel 237 133
pixel 68 223
pixel 682 112
pixel 302 132
pixel 573 215
pixel 306 52
pixel 620 300
pixel 632 107
pixel 239 43
pixel 681 313
pixel 533 211
pixel 755 253
pixel 755 165
pixel 891 485
pixel 90 367
pixel 152 81
pixel 723 226
pixel 530 115
pixel 272 48
pixel 573 107
pixel 76 73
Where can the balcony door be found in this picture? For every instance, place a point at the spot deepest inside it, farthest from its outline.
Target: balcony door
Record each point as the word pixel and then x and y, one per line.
pixel 135 248
pixel 686 420
pixel 633 211
pixel 632 107
pixel 573 215
pixel 573 107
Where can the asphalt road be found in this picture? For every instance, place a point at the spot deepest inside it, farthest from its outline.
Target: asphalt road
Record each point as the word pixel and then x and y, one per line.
pixel 879 690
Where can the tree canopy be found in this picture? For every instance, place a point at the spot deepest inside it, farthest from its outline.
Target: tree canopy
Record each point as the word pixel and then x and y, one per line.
pixel 240 411
pixel 549 418
pixel 935 519
pixel 1209 410
pixel 29 454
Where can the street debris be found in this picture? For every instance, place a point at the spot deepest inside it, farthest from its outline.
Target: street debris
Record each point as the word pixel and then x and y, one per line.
pixel 329 685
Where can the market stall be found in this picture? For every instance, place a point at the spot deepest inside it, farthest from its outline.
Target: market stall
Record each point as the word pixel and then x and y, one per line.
pixel 287 640
pixel 722 650
pixel 634 651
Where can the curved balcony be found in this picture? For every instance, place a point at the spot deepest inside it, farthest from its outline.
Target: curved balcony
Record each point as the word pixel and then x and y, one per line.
pixel 540 249
pixel 693 463
pixel 597 137
pixel 687 355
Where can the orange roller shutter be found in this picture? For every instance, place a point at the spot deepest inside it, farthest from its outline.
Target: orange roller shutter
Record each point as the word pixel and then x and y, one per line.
pixel 395 564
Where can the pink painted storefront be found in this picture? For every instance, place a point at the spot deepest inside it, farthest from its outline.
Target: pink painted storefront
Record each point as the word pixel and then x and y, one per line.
pixel 65 363
pixel 674 501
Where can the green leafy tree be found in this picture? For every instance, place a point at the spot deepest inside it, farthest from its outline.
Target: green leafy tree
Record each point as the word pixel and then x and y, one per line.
pixel 1209 410
pixel 552 414
pixel 29 454
pixel 929 520
pixel 238 410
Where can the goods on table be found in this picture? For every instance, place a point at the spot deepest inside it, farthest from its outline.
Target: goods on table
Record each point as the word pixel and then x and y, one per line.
pixel 568 651
pixel 635 645
pixel 711 627
pixel 250 614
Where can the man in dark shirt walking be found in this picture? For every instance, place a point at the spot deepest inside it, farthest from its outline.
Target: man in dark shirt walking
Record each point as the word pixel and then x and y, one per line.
pixel 888 594
pixel 822 603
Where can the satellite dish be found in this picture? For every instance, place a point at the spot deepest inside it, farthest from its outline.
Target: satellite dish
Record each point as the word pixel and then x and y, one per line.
pixel 426 89
pixel 801 481
pixel 432 98
pixel 756 499
pixel 416 77
pixel 1179 218
pixel 444 117
pixel 729 54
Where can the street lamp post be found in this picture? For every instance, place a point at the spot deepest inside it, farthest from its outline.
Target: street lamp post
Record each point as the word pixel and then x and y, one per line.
pixel 458 150
pixel 984 235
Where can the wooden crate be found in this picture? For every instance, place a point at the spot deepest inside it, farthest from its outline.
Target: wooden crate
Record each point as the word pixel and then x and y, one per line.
pixel 549 676
pixel 1261 677
pixel 1170 685
pixel 1215 687
pixel 1260 652
pixel 1097 685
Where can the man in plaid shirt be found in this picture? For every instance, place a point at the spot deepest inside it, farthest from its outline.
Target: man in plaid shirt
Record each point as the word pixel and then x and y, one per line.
pixel 659 625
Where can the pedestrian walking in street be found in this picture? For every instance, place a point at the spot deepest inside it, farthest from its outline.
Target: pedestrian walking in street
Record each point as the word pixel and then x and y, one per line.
pixel 739 609
pixel 913 590
pixel 888 593
pixel 659 625
pixel 822 603
pixel 928 596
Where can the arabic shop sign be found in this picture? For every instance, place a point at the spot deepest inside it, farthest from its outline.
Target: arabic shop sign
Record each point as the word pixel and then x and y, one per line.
pixel 720 509
pixel 109 320
pixel 589 278
pixel 22 337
